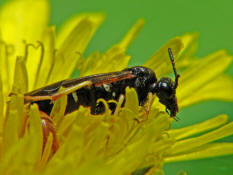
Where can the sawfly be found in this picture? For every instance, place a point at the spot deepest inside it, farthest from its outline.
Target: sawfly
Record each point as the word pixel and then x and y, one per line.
pixel 86 91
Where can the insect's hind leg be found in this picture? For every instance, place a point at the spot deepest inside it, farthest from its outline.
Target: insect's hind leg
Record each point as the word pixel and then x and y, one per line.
pixel 47 128
pixel 62 92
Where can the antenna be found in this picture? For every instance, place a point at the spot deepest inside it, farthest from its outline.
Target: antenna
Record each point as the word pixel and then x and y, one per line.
pixel 173 66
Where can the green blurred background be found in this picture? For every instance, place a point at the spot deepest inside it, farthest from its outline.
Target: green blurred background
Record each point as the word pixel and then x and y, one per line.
pixel 164 20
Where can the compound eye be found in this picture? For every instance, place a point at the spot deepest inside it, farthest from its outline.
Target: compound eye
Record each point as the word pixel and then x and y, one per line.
pixel 166 89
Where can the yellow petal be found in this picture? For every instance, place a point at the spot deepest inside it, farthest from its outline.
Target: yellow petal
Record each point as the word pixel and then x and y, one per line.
pixel 20 78
pixel 67 122
pixel 58 110
pixel 35 139
pixel 220 88
pixel 2 102
pixel 5 68
pixel 29 146
pixel 47 152
pixel 185 57
pixel 7 162
pixel 160 60
pixel 131 35
pixel 68 154
pixel 192 143
pixel 47 63
pixel 19 86
pixel 96 167
pixel 19 21
pixel 104 63
pixel 181 46
pixel 67 28
pixel 73 46
pixel 210 150
pixel 97 136
pixel 131 102
pixel 131 155
pixel 189 41
pixel 125 123
pixel 10 133
pixel 109 61
pixel 14 120
pixel 185 62
pixel 198 128
pixel 34 55
pixel 198 75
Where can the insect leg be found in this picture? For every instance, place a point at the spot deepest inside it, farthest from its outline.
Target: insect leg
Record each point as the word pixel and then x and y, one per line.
pixel 150 101
pixel 28 98
pixel 53 97
pixel 48 127
pixel 119 104
pixel 92 101
pixel 148 107
pixel 71 89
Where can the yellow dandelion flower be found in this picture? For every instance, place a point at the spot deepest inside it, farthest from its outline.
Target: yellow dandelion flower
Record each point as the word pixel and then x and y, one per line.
pixel 32 56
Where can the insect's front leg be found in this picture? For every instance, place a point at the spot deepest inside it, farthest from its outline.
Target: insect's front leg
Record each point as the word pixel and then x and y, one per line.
pixel 148 105
pixel 150 102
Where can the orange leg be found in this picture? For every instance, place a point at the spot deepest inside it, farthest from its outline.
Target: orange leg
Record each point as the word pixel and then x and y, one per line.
pixel 59 94
pixel 48 127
